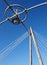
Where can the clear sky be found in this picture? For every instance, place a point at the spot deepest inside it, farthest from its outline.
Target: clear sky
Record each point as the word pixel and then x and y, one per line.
pixel 37 19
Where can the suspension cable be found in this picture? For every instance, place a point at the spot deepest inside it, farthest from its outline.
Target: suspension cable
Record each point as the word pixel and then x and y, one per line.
pixel 40 42
pixel 12 45
pixel 41 45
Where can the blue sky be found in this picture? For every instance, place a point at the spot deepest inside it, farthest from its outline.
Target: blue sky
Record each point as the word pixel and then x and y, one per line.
pixel 37 19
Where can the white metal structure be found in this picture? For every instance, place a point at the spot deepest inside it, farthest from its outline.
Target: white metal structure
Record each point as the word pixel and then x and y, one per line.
pixel 24 10
pixel 32 38
pixel 31 34
pixel 15 43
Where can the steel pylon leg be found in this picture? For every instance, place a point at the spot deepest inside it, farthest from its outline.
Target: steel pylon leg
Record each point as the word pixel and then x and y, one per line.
pixel 32 38
pixel 30 47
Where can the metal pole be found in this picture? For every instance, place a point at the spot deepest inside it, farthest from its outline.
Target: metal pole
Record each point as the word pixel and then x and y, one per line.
pixel 30 47
pixel 36 47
